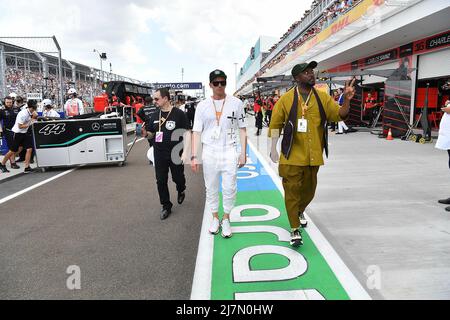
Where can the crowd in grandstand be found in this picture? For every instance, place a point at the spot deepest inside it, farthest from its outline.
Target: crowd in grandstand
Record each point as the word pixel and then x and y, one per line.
pixel 22 81
pixel 329 16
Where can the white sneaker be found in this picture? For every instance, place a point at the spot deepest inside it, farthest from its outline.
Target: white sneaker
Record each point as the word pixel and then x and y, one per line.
pixel 215 227
pixel 226 229
pixel 303 220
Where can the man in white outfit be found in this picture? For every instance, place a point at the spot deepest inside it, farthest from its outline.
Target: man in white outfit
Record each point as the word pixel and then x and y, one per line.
pixel 218 121
pixel 342 127
pixel 443 142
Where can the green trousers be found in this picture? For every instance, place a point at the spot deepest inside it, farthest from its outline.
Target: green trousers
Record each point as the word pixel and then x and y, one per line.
pixel 300 184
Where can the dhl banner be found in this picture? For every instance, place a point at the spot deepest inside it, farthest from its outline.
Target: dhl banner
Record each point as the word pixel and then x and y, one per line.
pixel 363 8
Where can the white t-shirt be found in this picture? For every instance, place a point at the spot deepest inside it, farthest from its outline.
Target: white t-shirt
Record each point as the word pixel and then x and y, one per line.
pixel 74 107
pixel 24 117
pixel 233 119
pixel 443 142
pixel 51 114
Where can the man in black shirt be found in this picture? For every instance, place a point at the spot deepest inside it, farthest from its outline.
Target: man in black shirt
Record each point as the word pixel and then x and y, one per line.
pixel 149 108
pixel 190 112
pixel 8 117
pixel 145 113
pixel 166 129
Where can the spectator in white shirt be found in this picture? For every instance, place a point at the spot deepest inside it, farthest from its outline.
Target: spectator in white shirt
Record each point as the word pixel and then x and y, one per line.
pixel 24 121
pixel 49 112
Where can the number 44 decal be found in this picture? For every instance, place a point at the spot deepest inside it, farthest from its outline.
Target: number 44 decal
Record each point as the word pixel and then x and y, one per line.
pixel 53 129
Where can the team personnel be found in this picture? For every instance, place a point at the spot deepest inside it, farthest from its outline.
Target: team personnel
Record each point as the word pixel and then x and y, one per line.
pixel 189 109
pixel 304 113
pixel 270 105
pixel 167 128
pixel 218 121
pixel 257 108
pixel 21 139
pixel 49 112
pixel 8 117
pixel 145 113
pixel 20 103
pixel 74 106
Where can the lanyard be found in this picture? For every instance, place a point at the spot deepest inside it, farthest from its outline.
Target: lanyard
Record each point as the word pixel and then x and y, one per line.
pixel 219 114
pixel 305 105
pixel 161 122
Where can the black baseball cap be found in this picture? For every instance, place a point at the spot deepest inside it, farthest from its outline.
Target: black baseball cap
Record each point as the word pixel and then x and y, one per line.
pixel 217 74
pixel 299 68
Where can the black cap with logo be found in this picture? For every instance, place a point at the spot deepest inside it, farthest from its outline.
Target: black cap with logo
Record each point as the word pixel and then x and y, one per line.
pixel 217 74
pixel 302 67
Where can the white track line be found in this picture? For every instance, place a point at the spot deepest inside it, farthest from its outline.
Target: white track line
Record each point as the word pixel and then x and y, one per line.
pixel 40 184
pixel 201 286
pixel 348 281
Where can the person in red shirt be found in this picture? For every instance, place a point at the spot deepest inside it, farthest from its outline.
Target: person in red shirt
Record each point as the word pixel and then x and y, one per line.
pixel 138 106
pixel 258 114
pixel 270 105
pixel 371 108
pixel 114 100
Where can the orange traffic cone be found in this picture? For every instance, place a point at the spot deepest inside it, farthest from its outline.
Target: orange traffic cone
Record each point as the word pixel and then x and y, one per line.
pixel 390 137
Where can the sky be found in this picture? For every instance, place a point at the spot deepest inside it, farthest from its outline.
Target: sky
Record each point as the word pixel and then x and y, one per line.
pixel 153 40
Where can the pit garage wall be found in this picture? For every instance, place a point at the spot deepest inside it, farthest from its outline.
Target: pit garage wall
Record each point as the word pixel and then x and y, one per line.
pixel 404 90
pixel 397 105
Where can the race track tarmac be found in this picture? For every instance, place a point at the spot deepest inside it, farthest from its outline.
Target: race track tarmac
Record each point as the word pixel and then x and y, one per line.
pixel 104 220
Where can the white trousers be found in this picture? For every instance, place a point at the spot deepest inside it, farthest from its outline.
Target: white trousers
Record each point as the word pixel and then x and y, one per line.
pixel 342 127
pixel 220 163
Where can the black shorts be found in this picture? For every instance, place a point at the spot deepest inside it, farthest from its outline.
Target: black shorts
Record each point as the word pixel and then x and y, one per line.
pixel 9 136
pixel 21 140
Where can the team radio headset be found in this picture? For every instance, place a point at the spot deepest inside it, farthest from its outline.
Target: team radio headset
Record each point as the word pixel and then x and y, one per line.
pixel 160 135
pixel 303 123
pixel 217 130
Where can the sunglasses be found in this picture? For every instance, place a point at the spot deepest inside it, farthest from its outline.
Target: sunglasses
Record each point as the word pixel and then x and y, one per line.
pixel 217 83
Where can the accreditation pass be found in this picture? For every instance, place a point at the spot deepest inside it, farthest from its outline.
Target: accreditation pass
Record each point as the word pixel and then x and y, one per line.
pixel 302 126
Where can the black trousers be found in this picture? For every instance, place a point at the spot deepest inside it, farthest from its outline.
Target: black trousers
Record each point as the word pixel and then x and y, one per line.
pixel 449 158
pixel 268 117
pixel 163 163
pixel 259 120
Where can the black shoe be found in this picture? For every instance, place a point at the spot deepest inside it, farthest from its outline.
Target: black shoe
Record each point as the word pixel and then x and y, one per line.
pixel 296 239
pixel 15 166
pixel 3 169
pixel 447 209
pixel 165 213
pixel 32 161
pixel 28 170
pixel 447 201
pixel 181 197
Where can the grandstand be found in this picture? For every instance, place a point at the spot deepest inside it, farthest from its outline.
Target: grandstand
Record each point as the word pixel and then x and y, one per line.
pixel 27 71
pixel 322 14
